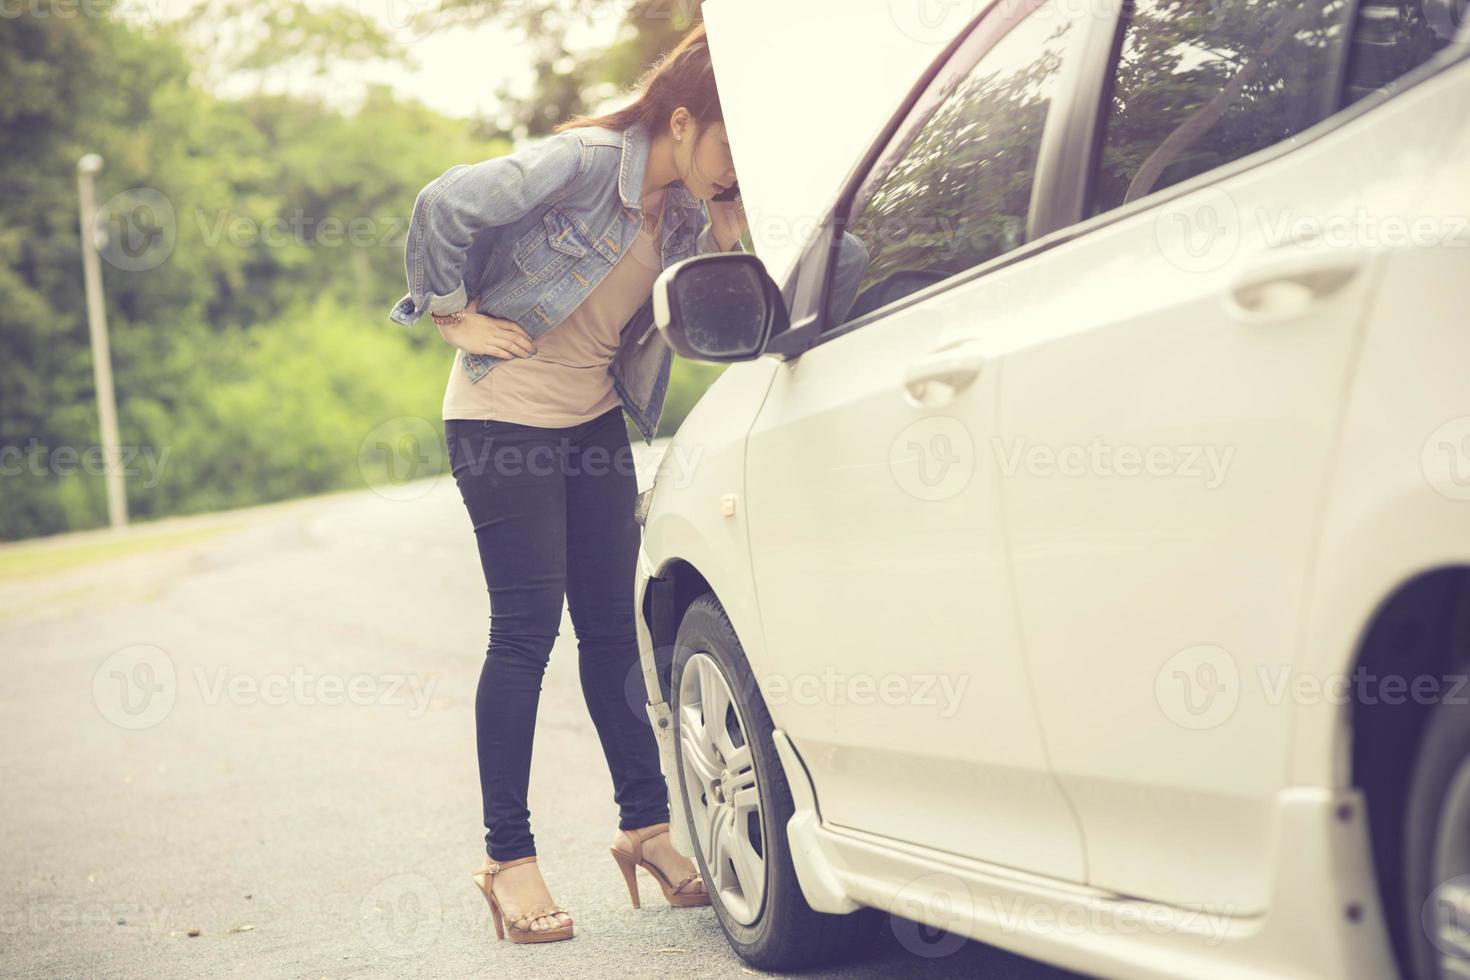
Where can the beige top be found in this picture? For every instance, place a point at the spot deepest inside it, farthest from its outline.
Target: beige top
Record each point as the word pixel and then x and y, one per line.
pixel 566 381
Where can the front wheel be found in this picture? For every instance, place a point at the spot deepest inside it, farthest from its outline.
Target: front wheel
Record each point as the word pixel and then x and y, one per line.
pixel 737 802
pixel 1436 911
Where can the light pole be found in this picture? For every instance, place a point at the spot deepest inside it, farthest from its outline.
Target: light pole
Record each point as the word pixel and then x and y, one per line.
pixel 117 501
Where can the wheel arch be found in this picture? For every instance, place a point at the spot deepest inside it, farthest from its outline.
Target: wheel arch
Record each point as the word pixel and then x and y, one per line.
pixel 1420 629
pixel 669 593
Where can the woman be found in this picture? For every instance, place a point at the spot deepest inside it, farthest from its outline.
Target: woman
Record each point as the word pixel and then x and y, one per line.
pixel 563 240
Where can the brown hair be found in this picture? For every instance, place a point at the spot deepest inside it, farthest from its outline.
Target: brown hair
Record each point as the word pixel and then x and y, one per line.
pixel 682 77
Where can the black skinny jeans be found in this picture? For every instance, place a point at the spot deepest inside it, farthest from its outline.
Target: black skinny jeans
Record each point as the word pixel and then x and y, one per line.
pixel 552 510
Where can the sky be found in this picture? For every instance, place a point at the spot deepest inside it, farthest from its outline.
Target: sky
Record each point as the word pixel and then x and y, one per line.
pixel 456 70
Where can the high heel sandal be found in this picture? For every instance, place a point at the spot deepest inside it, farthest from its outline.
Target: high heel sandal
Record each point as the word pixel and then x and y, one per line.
pixel 681 895
pixel 520 927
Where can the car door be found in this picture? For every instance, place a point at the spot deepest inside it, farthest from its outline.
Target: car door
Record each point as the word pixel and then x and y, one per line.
pixel 1171 378
pixel 875 529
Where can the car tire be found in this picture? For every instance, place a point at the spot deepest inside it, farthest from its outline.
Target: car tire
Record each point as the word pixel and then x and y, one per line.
pixel 768 923
pixel 1436 910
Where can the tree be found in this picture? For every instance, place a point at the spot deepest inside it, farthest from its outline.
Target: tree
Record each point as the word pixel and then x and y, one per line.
pixel 567 82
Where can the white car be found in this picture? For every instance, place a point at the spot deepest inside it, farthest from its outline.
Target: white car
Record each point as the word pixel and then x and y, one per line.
pixel 1095 583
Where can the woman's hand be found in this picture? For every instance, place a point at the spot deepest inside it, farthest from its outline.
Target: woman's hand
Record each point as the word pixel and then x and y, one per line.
pixel 727 221
pixel 477 333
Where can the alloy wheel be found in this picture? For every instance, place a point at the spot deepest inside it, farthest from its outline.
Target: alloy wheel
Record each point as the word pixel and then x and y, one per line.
pixel 724 797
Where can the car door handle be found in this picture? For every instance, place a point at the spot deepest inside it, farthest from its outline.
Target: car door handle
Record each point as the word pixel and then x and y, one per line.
pixel 938 376
pixel 1291 285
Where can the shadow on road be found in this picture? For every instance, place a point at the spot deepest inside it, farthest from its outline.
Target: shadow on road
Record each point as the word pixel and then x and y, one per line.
pixel 904 948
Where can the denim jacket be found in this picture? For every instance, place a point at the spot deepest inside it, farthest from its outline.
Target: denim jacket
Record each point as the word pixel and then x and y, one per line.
pixel 533 231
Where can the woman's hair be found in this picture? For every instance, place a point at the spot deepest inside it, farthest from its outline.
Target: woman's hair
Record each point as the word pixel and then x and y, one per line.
pixel 682 77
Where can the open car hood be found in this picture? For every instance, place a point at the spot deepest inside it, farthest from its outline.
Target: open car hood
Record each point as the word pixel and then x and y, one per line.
pixel 806 86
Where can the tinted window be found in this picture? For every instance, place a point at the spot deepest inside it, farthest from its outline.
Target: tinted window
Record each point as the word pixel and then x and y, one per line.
pixel 1389 39
pixel 1202 82
pixel 959 193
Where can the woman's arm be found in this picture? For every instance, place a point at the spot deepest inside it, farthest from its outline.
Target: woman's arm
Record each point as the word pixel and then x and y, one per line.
pixel 468 198
pixel 724 229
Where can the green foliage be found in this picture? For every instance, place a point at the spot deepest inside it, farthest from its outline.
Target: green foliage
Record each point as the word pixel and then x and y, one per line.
pixel 254 359
pixel 278 205
pixel 568 83
pixel 259 35
pixel 960 194
pixel 1201 84
pixel 687 381
pixel 290 407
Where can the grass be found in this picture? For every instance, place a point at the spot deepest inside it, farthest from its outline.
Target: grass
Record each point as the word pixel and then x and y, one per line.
pixel 28 561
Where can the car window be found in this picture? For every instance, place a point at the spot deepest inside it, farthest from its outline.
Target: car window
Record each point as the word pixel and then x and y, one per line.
pixel 958 194
pixel 1199 83
pixel 1390 39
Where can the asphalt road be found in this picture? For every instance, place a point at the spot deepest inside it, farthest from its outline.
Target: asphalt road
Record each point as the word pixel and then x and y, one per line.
pixel 265 734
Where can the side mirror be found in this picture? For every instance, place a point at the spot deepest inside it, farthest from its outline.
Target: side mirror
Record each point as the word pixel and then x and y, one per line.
pixel 720 306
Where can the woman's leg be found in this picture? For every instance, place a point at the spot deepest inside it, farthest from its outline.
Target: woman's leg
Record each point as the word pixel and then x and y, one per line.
pixel 602 556
pixel 510 477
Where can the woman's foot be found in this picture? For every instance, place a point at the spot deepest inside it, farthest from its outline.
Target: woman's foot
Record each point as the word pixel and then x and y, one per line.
pixel 658 850
pixel 519 888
